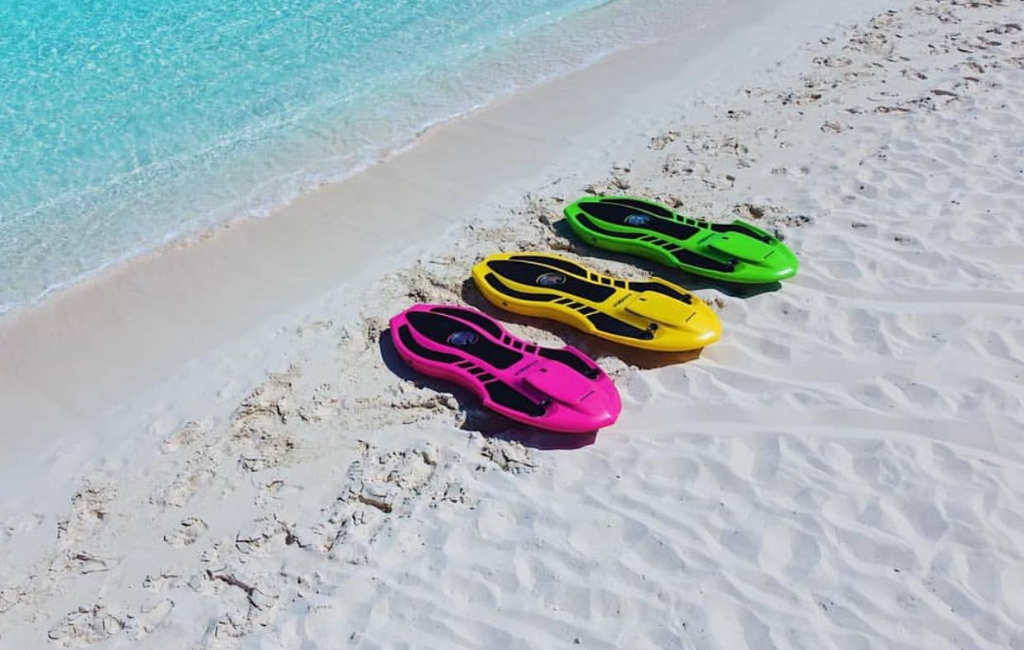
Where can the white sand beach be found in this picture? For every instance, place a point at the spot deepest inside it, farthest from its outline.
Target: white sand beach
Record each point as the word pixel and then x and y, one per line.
pixel 217 446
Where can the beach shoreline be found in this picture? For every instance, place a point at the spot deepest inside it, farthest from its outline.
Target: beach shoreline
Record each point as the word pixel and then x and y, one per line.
pixel 130 320
pixel 521 61
pixel 842 469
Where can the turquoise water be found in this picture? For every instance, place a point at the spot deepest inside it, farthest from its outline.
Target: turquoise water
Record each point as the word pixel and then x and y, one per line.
pixel 124 123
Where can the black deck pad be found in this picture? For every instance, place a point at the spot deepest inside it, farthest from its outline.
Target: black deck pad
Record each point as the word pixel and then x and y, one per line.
pixel 569 359
pixel 636 204
pixel 743 229
pixel 503 394
pixel 410 342
pixel 694 259
pixel 565 265
pixel 620 214
pixel 613 325
pixel 498 285
pixel 589 224
pixel 682 256
pixel 462 331
pixel 463 337
pixel 535 274
pixel 477 319
pixel 657 287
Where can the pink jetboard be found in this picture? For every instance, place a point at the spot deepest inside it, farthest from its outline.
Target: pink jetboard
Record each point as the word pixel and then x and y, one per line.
pixel 555 389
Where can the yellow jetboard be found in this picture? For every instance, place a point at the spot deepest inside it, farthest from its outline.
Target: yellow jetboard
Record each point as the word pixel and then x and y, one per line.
pixel 652 314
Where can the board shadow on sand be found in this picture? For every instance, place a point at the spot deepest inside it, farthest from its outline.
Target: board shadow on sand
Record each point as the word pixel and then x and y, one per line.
pixel 682 278
pixel 591 346
pixel 478 418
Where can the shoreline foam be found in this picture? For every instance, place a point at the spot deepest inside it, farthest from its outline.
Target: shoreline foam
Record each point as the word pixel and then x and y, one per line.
pixel 489 78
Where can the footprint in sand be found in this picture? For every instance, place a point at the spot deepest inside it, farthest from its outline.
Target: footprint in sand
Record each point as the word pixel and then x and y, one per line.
pixel 89 513
pixel 87 626
pixel 85 563
pixel 186 533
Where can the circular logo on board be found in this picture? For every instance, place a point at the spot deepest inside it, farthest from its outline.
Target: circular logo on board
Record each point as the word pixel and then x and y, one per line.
pixel 462 338
pixel 551 280
pixel 638 219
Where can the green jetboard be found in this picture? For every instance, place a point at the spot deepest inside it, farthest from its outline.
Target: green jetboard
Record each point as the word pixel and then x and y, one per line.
pixel 732 252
